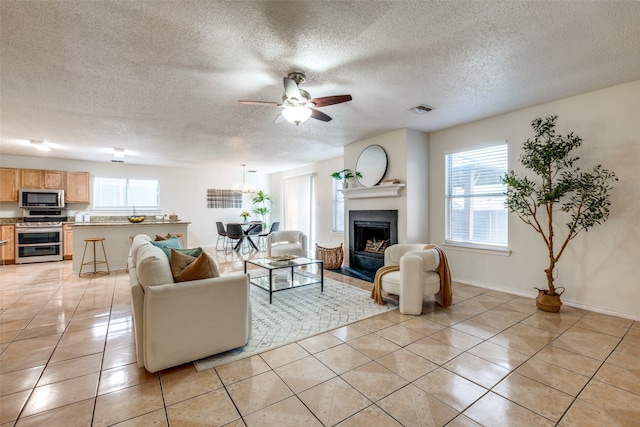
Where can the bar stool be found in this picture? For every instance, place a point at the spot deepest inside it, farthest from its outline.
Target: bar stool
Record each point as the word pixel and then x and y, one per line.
pixel 95 261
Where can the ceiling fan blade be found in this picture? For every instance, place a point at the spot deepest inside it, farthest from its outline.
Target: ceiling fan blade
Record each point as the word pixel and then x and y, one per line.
pixel 331 100
pixel 265 103
pixel 291 89
pixel 319 115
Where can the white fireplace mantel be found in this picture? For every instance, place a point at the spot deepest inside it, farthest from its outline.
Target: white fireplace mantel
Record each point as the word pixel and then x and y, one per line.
pixel 391 190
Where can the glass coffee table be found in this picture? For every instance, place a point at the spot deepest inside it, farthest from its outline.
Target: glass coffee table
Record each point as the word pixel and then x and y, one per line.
pixel 287 274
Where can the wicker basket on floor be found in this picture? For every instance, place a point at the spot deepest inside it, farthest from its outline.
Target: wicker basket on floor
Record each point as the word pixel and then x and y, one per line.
pixel 332 257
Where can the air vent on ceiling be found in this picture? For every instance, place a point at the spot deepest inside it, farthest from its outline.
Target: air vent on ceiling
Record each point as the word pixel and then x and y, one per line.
pixel 421 109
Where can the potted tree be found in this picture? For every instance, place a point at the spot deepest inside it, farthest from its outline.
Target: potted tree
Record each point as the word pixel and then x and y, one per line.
pixel 581 198
pixel 263 210
pixel 345 175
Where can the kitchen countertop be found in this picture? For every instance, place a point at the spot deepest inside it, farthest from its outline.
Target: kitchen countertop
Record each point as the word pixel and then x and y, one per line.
pixel 102 224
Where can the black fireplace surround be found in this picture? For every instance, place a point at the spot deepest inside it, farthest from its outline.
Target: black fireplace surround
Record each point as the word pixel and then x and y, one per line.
pixel 378 228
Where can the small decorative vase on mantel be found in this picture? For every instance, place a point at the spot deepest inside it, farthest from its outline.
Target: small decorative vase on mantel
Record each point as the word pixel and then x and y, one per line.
pixel 345 184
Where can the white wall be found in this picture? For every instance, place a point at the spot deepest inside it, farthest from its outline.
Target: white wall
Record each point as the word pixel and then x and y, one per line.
pixel 599 267
pixel 182 191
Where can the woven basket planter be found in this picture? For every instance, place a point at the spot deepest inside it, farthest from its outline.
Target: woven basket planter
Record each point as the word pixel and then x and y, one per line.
pixel 332 257
pixel 549 303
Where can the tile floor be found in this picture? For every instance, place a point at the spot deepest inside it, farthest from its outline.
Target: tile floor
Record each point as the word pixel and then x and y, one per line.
pixel 67 359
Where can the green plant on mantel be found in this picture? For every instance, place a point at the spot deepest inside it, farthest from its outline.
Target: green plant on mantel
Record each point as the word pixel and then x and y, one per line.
pixel 345 174
pixel 558 187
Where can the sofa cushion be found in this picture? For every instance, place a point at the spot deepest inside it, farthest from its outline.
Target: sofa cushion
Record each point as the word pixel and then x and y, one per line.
pixel 185 267
pixel 139 240
pixel 152 267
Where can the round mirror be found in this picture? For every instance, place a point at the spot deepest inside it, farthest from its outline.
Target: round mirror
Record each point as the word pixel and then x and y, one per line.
pixel 372 164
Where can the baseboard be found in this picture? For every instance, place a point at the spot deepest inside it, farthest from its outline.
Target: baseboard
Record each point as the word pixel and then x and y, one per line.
pixel 564 301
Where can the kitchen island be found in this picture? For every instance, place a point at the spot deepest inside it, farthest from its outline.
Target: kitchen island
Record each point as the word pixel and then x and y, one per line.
pixel 117 238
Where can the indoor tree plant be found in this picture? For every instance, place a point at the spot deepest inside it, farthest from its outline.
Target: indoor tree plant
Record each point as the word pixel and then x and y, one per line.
pixel 263 210
pixel 345 175
pixel 581 198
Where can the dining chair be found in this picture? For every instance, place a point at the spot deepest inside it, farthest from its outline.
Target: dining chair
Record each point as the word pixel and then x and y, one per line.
pixel 235 236
pixel 254 230
pixel 222 234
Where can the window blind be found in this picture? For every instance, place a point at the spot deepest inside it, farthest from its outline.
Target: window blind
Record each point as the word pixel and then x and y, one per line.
pixel 475 213
pixel 297 205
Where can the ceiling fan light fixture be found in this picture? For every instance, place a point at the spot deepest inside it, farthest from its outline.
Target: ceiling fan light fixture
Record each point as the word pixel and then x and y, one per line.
pixel 296 115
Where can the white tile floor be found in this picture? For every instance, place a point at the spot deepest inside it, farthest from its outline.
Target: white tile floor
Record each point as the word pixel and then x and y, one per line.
pixel 67 359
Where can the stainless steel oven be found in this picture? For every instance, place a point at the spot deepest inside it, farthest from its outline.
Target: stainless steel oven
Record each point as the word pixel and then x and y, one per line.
pixel 39 238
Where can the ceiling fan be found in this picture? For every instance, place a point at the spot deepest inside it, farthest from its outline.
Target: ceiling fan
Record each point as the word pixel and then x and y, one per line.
pixel 297 104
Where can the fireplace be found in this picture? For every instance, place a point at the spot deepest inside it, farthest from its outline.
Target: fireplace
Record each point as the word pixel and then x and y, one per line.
pixel 370 233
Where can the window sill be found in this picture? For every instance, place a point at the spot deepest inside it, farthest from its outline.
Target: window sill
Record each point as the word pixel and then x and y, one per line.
pixel 478 249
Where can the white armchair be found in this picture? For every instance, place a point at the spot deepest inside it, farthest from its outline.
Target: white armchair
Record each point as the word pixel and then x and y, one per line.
pixel 287 242
pixel 418 275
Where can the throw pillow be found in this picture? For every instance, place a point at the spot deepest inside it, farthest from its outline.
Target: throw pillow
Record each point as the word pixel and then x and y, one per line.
pixel 171 243
pixel 185 267
pixel 168 236
pixel 194 252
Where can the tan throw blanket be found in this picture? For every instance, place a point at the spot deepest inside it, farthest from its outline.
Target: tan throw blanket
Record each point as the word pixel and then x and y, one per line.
pixel 446 296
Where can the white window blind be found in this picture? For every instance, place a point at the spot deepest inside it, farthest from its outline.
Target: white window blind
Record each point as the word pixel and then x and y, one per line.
pixel 475 212
pixel 338 207
pixel 297 205
pixel 125 193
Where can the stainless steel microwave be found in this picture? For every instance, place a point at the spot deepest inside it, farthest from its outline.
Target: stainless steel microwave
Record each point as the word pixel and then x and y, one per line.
pixel 40 198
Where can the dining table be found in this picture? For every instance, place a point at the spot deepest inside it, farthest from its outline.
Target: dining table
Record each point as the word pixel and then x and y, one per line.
pixel 247 228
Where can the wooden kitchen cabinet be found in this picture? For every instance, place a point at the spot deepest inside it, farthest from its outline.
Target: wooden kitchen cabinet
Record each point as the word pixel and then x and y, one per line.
pixel 35 178
pixel 8 251
pixel 54 179
pixel 8 185
pixel 67 241
pixel 77 188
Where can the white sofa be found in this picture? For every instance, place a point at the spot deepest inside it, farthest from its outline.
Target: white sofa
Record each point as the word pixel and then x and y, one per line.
pixel 418 275
pixel 287 242
pixel 176 323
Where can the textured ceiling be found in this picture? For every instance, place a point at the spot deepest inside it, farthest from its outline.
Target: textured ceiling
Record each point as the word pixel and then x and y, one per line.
pixel 162 79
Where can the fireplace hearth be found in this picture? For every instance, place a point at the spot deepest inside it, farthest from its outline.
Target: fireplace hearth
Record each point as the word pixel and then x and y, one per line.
pixel 370 233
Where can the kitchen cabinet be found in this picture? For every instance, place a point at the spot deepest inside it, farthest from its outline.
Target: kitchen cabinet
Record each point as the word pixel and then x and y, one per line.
pixel 8 185
pixel 35 178
pixel 67 241
pixel 8 251
pixel 77 188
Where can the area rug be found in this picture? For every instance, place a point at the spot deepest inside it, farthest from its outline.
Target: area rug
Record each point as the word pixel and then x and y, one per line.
pixel 299 313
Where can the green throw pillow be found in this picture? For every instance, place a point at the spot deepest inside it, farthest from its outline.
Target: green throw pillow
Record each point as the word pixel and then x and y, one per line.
pixel 194 252
pixel 167 245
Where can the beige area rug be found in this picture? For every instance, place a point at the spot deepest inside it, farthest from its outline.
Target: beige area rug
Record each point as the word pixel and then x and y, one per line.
pixel 299 313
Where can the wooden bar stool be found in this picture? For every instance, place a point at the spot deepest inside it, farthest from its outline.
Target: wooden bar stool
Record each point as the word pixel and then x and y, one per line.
pixel 94 262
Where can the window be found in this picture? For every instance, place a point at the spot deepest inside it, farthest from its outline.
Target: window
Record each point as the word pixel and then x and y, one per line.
pixel 474 198
pixel 297 205
pixel 338 207
pixel 125 193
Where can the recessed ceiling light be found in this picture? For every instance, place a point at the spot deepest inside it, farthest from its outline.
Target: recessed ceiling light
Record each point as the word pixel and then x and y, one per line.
pixel 40 145
pixel 118 152
pixel 421 109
